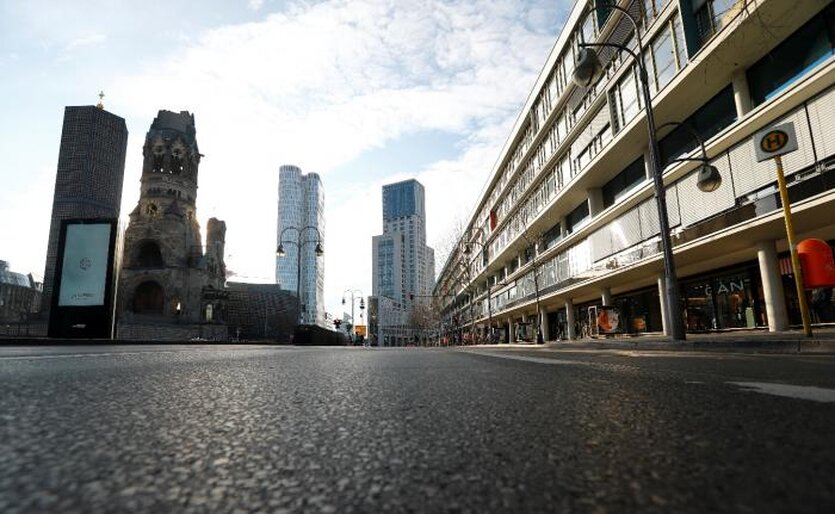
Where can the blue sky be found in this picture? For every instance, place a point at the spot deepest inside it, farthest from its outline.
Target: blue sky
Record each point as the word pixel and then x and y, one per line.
pixel 363 92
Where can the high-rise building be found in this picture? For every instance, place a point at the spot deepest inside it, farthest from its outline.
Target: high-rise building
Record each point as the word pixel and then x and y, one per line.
pixel 565 240
pixel 301 233
pixel 88 182
pixel 403 266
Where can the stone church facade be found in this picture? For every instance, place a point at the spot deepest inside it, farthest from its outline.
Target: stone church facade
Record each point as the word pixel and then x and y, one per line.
pixel 171 286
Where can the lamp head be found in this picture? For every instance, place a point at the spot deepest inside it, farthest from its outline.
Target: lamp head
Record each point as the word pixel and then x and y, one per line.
pixel 280 251
pixel 709 178
pixel 319 250
pixel 588 68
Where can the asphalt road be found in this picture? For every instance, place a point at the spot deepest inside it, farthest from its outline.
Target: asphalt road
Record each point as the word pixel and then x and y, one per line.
pixel 243 429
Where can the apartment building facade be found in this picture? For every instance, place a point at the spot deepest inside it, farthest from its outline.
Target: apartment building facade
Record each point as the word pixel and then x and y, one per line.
pixel 568 226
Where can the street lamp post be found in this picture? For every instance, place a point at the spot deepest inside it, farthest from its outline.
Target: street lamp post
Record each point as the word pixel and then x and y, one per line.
pixel 362 306
pixel 534 246
pixel 587 71
pixel 299 245
pixel 468 251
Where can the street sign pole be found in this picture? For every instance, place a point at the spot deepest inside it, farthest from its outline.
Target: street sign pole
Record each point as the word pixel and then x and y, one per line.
pixel 773 143
pixel 796 269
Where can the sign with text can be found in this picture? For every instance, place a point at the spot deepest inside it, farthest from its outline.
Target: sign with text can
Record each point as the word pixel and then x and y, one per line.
pixel 775 141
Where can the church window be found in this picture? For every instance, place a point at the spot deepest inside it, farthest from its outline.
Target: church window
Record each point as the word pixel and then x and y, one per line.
pixel 149 255
pixel 148 298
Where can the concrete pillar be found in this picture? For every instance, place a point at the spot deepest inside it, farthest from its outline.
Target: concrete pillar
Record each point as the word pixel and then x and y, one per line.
pixel 742 94
pixel 647 169
pixel 570 319
pixel 595 201
pixel 563 227
pixel 606 296
pixel 543 316
pixel 662 296
pixel 511 330
pixel 775 299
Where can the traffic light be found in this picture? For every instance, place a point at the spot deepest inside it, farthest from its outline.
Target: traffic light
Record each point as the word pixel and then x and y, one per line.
pixel 411 296
pixel 337 323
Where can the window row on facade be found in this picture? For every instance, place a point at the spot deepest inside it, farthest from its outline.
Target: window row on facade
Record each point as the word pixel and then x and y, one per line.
pixel 563 153
pixel 748 188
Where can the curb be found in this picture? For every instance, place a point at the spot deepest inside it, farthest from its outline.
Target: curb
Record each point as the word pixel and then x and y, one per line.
pixel 779 346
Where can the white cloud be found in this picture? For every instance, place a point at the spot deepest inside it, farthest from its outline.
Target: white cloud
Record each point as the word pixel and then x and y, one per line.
pixel 318 85
pixel 254 5
pixel 84 41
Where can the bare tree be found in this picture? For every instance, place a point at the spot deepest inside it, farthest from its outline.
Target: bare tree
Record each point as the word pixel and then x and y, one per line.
pixel 423 318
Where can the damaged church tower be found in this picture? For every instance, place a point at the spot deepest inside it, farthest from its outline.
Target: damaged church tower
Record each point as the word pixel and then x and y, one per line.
pixel 171 286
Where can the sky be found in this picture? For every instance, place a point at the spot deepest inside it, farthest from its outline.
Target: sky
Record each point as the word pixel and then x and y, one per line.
pixel 362 92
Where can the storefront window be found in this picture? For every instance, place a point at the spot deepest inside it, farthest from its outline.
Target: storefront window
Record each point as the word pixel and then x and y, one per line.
pixel 640 311
pixel 722 302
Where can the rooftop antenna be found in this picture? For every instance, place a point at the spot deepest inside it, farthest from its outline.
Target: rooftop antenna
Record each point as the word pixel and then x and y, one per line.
pixel 100 105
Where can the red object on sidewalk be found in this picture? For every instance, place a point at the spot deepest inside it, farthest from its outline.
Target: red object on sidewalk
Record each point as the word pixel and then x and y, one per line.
pixel 817 262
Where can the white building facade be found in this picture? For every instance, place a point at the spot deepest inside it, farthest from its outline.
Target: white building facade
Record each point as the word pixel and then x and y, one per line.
pixel 568 224
pixel 301 228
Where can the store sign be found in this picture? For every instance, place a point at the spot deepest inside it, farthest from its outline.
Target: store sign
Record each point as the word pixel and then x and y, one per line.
pixel 775 141
pixel 726 287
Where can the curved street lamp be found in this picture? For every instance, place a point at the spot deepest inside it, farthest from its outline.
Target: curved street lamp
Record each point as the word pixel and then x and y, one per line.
pixel 279 252
pixel 534 246
pixel 468 249
pixel 362 306
pixel 588 70
pixel 709 178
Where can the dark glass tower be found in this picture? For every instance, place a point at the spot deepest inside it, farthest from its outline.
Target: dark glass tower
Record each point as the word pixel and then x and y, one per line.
pixel 403 199
pixel 88 183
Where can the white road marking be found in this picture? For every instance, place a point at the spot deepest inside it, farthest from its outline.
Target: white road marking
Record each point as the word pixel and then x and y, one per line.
pixel 79 355
pixel 538 360
pixel 816 394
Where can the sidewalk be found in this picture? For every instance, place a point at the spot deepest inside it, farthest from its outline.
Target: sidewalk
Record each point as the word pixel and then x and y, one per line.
pixel 747 341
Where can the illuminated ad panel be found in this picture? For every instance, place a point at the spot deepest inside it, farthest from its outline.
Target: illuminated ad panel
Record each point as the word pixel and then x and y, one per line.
pixel 84 270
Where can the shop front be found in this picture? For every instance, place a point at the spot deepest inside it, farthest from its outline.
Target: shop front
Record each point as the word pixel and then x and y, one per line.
pixel 557 324
pixel 722 300
pixel 634 312
pixel 640 311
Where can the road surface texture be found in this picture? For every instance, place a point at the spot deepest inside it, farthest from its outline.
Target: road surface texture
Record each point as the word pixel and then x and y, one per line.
pixel 271 429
